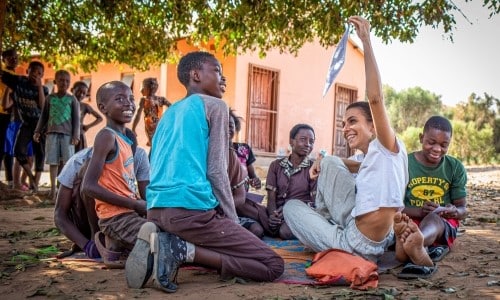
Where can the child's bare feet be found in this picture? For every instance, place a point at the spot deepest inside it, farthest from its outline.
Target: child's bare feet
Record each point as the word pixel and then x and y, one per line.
pixel 414 246
pixel 401 231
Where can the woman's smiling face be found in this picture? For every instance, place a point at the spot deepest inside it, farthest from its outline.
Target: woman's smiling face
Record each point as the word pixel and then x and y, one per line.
pixel 358 131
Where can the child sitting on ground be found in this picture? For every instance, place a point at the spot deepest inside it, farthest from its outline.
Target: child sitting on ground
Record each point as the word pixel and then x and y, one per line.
pixel 110 177
pixel 190 195
pixel 60 119
pixel 250 214
pixel 74 213
pixel 435 195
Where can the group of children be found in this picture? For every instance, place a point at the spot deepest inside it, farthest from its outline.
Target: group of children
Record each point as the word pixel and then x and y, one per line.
pixel 46 126
pixel 197 197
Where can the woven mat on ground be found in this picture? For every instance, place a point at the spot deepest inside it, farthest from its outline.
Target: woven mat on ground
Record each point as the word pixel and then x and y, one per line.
pixel 296 258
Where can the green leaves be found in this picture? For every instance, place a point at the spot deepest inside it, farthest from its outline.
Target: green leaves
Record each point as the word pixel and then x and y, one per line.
pixel 144 33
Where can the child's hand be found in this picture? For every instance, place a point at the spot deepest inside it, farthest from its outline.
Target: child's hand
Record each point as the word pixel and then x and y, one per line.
pixel 451 212
pixel 315 168
pixel 140 207
pixel 74 141
pixel 36 137
pixel 38 81
pixel 429 207
pixel 255 183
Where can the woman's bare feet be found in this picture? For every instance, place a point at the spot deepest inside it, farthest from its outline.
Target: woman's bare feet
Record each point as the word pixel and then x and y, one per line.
pixel 414 246
pixel 401 231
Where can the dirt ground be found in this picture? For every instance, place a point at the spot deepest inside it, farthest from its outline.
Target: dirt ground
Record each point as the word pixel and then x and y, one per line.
pixel 29 240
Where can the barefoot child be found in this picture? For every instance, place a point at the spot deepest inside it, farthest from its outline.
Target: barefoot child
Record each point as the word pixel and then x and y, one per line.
pixel 355 214
pixel 190 196
pixel 110 177
pixel 60 120
pixel 435 195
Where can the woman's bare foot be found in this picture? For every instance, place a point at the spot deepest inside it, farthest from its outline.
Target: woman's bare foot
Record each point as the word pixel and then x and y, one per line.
pixel 401 231
pixel 414 246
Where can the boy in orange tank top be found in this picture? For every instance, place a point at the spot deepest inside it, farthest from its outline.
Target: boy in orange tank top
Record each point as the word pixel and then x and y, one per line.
pixel 110 178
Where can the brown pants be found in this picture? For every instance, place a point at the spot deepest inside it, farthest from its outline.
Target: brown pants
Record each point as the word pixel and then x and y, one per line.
pixel 242 253
pixel 121 230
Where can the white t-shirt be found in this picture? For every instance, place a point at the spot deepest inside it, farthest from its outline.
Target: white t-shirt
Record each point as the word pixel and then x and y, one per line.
pixel 73 165
pixel 382 179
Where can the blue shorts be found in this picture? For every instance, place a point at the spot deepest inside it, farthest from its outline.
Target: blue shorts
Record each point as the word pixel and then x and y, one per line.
pixel 58 148
pixel 10 139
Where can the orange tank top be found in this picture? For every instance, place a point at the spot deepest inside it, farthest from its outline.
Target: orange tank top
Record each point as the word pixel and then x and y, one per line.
pixel 118 177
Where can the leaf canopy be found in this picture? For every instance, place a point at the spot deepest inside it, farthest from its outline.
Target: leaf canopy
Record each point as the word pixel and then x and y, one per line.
pixel 142 33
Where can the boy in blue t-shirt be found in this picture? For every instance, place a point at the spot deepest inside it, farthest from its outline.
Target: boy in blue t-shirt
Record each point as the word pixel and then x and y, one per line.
pixel 189 195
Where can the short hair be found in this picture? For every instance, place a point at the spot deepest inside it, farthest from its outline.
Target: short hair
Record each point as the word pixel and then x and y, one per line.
pixel 295 130
pixel 365 109
pixel 149 81
pixel 439 123
pixel 192 61
pixel 237 119
pixel 8 52
pixel 35 64
pixel 79 84
pixel 61 72
pixel 103 91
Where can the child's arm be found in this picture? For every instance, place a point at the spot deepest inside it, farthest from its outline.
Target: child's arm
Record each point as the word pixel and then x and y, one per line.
pixel 42 122
pixel 383 129
pixel 271 181
pixel 41 92
pixel 138 114
pixel 218 156
pixel 97 117
pixel 75 121
pixel 61 212
pixel 457 210
pixel 7 101
pixel 164 101
pixel 104 146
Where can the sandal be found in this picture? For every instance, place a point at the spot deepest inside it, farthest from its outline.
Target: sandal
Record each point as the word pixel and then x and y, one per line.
pixel 437 253
pixel 110 258
pixel 413 271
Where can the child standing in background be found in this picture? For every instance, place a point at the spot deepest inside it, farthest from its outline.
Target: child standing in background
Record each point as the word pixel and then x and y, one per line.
pixel 80 90
pixel 60 119
pixel 152 106
pixel 28 97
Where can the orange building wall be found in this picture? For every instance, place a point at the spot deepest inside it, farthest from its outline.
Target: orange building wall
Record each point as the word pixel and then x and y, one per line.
pixel 301 84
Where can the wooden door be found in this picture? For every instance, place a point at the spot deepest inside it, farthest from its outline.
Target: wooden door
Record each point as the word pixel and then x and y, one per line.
pixel 262 108
pixel 343 97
